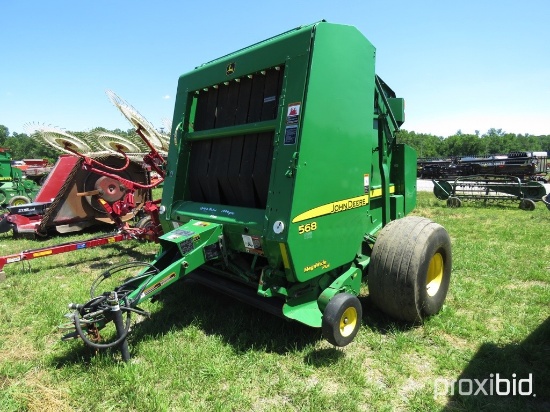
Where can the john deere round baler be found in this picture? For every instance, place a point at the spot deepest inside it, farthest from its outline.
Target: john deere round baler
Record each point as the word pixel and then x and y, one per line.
pixel 286 188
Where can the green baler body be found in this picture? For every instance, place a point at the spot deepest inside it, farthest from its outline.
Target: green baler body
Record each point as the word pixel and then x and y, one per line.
pixel 289 146
pixel 6 174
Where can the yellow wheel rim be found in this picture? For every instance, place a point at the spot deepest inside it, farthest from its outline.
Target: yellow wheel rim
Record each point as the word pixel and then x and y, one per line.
pixel 348 321
pixel 19 202
pixel 435 274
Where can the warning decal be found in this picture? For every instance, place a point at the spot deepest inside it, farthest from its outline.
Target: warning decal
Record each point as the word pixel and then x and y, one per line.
pixel 366 183
pixel 293 113
pixel 174 234
pixel 253 244
pixel 290 134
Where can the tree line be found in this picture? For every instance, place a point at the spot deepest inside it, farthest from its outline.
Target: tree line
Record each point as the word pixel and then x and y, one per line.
pixel 495 141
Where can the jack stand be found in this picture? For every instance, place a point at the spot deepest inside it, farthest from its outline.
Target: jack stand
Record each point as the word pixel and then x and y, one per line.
pixel 112 301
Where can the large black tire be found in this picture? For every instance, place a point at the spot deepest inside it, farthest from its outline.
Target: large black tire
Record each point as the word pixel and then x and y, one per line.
pixel 410 268
pixel 19 200
pixel 454 201
pixel 342 319
pixel 144 222
pixel 527 204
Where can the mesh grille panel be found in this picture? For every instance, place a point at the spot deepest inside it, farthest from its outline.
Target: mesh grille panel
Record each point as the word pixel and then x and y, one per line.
pixel 235 170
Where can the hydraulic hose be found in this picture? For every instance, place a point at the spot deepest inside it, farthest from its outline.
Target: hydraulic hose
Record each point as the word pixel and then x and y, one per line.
pixel 103 303
pixel 107 274
pixel 95 345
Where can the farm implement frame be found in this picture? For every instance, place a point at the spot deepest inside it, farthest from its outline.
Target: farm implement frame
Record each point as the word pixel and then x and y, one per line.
pixel 489 189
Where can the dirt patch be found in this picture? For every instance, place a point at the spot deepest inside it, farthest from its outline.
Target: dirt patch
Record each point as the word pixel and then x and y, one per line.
pixel 528 284
pixel 35 392
pixel 4 382
pixel 458 343
pixel 19 350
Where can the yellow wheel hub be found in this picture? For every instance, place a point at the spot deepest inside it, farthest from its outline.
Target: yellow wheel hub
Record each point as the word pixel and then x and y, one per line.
pixel 348 321
pixel 435 274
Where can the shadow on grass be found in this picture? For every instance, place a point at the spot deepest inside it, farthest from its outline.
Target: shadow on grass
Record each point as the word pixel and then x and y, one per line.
pixel 529 360
pixel 246 327
pixel 321 358
pixel 379 322
pixel 240 325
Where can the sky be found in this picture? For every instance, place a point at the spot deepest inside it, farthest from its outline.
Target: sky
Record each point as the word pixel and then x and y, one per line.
pixel 460 65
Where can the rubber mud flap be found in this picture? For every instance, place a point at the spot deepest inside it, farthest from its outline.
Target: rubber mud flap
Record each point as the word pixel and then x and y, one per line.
pixel 442 189
pixel 5 225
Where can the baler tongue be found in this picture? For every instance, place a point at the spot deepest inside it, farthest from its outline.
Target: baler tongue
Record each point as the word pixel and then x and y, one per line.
pixel 186 248
pixel 183 250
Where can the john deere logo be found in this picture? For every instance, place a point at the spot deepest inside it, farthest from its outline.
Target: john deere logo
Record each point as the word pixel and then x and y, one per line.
pixel 230 69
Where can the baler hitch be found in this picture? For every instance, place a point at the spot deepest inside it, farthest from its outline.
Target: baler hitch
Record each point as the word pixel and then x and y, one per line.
pixel 88 319
pixel 183 250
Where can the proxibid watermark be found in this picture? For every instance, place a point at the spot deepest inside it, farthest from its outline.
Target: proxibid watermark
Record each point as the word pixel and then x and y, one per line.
pixel 494 385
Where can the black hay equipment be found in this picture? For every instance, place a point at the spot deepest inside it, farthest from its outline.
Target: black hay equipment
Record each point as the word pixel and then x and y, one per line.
pixel 489 189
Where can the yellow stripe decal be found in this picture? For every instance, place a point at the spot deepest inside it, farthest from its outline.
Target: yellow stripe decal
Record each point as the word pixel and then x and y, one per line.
pixel 43 253
pixel 284 255
pixel 334 207
pixel 160 283
pixel 340 205
pixel 376 193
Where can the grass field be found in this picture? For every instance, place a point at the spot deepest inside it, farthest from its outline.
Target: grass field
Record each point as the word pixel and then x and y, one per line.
pixel 201 351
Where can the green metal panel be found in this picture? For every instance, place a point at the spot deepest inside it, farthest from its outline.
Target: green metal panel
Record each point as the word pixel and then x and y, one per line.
pixel 403 174
pixel 397 106
pixel 289 146
pixel 335 152
pixel 5 166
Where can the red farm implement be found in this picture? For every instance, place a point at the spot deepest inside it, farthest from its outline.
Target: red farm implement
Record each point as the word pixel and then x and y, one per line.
pixel 102 179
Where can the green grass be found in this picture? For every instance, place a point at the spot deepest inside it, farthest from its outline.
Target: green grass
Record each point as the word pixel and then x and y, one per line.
pixel 204 351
